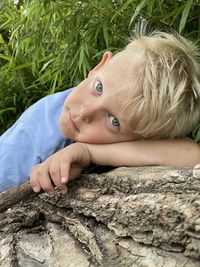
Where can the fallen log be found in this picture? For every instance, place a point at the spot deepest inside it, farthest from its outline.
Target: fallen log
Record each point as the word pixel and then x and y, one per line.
pixel 125 217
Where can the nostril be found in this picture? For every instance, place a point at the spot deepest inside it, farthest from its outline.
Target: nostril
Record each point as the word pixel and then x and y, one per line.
pixel 85 113
pixel 86 120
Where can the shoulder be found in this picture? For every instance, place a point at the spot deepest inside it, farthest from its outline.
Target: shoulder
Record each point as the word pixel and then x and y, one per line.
pixel 42 121
pixel 50 103
pixel 43 116
pixel 39 123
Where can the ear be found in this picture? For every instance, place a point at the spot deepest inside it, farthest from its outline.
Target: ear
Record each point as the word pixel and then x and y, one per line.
pixel 106 57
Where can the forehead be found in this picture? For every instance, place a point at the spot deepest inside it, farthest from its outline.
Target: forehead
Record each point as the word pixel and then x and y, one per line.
pixel 123 70
pixel 121 74
pixel 120 77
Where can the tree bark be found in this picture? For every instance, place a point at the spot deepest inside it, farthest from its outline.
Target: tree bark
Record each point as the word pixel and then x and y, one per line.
pixel 144 216
pixel 13 196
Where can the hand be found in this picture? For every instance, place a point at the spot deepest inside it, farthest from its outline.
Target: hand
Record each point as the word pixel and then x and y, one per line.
pixel 59 168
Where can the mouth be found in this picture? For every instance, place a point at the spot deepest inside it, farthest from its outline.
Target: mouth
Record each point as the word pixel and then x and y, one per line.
pixel 72 122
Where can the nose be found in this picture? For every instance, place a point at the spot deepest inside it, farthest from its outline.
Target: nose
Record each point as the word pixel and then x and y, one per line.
pixel 88 111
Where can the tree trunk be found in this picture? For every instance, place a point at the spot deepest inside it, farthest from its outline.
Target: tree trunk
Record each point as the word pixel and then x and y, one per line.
pixel 144 216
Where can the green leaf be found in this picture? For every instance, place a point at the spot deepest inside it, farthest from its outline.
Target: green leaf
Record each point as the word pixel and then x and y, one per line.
pixel 8 58
pixel 23 66
pixel 7 109
pixel 105 33
pixel 52 89
pixel 141 5
pixel 121 9
pixel 150 7
pixel 197 137
pixel 196 134
pixel 46 65
pixel 173 13
pixel 1 39
pixel 185 15
pixel 81 56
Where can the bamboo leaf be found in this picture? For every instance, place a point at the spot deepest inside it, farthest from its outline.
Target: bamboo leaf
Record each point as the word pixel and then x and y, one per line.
pixel 1 39
pixel 8 58
pixel 105 33
pixel 150 7
pixel 46 65
pixel 141 5
pixel 196 134
pixel 173 13
pixel 185 15
pixel 23 66
pixel 52 89
pixel 121 9
pixel 81 56
pixel 6 110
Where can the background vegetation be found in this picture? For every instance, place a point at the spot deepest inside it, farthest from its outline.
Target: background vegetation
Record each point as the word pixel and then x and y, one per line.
pixel 50 45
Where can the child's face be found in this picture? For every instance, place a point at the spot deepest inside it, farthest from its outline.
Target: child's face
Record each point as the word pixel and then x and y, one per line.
pixel 93 113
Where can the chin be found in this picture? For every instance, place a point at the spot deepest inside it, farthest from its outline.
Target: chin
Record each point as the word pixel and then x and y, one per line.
pixel 71 136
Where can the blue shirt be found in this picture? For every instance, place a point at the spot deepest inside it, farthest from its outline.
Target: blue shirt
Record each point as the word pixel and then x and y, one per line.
pixel 32 139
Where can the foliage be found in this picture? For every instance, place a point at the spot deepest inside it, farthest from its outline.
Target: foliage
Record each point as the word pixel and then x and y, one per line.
pixel 50 45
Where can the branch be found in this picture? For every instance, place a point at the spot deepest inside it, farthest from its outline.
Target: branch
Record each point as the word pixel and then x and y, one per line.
pixel 13 196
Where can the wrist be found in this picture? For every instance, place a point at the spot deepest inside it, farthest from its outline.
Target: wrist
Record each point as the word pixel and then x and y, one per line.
pixel 86 154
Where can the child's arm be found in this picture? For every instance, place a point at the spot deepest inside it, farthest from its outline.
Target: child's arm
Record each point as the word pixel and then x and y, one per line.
pixel 68 162
pixel 182 152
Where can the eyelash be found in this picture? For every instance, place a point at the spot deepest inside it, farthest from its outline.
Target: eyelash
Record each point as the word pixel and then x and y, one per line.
pixel 111 120
pixel 98 89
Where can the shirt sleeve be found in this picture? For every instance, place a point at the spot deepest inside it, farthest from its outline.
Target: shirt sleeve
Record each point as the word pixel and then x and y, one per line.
pixel 17 156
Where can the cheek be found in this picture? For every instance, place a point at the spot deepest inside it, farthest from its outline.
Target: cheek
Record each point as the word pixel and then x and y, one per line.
pixel 96 135
pixel 77 96
pixel 72 98
pixel 91 135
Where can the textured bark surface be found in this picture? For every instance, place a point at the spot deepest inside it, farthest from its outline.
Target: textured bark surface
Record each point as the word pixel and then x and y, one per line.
pixel 125 217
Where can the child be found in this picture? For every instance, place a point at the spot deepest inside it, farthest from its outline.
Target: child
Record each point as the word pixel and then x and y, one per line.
pixel 134 109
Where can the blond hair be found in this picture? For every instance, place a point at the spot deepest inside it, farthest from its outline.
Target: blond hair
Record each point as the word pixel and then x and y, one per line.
pixel 166 102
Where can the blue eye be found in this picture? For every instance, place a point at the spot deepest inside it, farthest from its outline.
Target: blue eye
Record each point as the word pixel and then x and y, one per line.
pixel 98 87
pixel 114 121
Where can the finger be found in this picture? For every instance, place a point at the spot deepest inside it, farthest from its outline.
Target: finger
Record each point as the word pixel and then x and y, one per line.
pixel 40 179
pixel 35 184
pixel 64 170
pixel 34 181
pixel 56 177
pixel 75 171
pixel 46 183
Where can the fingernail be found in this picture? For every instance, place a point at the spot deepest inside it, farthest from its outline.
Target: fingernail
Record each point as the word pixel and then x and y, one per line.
pixel 50 192
pixel 63 191
pixel 36 189
pixel 63 180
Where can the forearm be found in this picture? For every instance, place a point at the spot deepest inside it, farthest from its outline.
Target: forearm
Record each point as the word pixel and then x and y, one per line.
pixel 177 152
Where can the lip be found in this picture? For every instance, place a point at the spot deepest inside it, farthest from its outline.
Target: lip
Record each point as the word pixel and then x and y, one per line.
pixel 72 122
